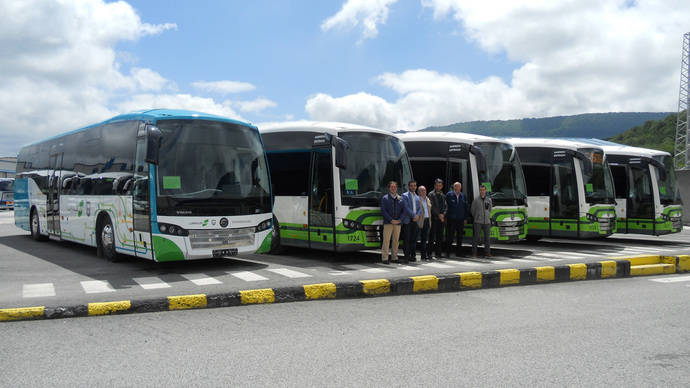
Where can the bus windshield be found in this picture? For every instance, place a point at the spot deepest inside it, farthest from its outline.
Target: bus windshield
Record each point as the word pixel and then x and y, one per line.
pixel 211 168
pixel 669 192
pixel 6 185
pixel 373 160
pixel 504 173
pixel 598 183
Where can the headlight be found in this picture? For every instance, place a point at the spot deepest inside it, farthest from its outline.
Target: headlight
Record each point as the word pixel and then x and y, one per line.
pixel 592 217
pixel 264 225
pixel 172 230
pixel 352 224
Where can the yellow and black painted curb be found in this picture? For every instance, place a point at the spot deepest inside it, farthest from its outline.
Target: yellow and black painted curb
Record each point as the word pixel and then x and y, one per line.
pixel 615 268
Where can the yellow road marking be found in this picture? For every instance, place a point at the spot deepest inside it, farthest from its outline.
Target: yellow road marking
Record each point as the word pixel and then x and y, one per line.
pixel 21 313
pixel 320 291
pixel 608 269
pixel 109 307
pixel 683 263
pixel 262 295
pixel 470 279
pixel 376 286
pixel 184 302
pixel 578 271
pixel 546 274
pixel 424 283
pixel 509 276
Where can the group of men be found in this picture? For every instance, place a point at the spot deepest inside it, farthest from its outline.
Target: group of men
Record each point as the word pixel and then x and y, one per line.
pixel 415 216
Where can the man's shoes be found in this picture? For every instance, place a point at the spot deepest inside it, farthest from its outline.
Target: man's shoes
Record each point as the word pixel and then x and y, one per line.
pixel 403 261
pixel 386 262
pixel 489 255
pixel 413 259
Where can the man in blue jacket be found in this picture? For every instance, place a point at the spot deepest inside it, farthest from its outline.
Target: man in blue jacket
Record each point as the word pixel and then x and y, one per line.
pixel 394 214
pixel 413 209
pixel 456 214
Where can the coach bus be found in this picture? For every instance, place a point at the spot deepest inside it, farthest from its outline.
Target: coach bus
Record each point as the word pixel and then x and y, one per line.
pixel 647 195
pixel 6 193
pixel 570 189
pixel 165 185
pixel 474 160
pixel 328 180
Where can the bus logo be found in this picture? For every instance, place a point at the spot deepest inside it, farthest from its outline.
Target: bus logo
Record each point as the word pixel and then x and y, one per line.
pixel 224 222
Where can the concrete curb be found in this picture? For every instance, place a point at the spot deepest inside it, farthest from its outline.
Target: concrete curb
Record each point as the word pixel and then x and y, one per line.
pixel 617 268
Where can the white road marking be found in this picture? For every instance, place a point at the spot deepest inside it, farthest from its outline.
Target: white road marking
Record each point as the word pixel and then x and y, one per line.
pixel 437 265
pixel 338 273
pixel 200 279
pixel 523 260
pixel 248 276
pixel 289 273
pixel 374 270
pixel 455 262
pixel 674 279
pixel 409 268
pixel 151 283
pixel 38 290
pixel 96 286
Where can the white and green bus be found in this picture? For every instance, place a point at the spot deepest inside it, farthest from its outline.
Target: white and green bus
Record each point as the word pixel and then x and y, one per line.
pixel 474 160
pixel 328 180
pixel 647 194
pixel 164 185
pixel 570 189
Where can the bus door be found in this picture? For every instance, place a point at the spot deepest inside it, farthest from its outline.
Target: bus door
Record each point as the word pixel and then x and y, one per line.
pixel 54 186
pixel 141 208
pixel 564 200
pixel 321 207
pixel 640 198
pixel 620 183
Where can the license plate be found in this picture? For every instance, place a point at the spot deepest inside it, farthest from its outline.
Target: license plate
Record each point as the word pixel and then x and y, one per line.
pixel 224 252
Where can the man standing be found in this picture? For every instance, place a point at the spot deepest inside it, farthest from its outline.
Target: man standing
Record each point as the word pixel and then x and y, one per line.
pixel 438 211
pixel 393 212
pixel 424 223
pixel 413 209
pixel 457 218
pixel 481 212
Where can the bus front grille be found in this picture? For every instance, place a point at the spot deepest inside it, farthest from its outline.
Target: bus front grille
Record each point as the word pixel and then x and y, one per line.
pixel 221 238
pixel 606 224
pixel 373 233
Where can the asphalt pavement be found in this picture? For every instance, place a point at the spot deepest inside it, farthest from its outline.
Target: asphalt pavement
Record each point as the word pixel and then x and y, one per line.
pixel 621 332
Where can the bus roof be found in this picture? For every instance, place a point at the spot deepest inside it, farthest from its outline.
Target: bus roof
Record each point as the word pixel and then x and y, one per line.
pixel 542 142
pixel 468 138
pixel 621 149
pixel 329 127
pixel 153 115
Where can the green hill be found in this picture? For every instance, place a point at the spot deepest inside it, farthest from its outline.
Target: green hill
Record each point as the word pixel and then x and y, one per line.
pixel 597 125
pixel 657 134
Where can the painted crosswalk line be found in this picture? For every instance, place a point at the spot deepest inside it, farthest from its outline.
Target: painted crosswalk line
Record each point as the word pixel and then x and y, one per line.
pixel 38 290
pixel 151 283
pixel 289 273
pixel 674 279
pixel 96 286
pixel 437 265
pixel 248 276
pixel 201 279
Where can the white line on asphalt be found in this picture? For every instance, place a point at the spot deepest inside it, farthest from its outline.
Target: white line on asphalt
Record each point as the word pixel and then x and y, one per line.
pixel 96 286
pixel 38 290
pixel 674 279
pixel 248 276
pixel 523 260
pixel 437 265
pixel 338 273
pixel 151 283
pixel 455 262
pixel 642 249
pixel 289 273
pixel 200 279
pixel 409 268
pixel 374 270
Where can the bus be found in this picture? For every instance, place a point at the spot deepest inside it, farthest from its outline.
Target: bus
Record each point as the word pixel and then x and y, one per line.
pixel 647 195
pixel 328 179
pixel 570 189
pixel 6 193
pixel 474 160
pixel 165 185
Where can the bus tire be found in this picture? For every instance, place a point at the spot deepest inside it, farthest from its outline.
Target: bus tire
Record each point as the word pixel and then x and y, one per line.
pixel 35 226
pixel 533 238
pixel 276 248
pixel 106 240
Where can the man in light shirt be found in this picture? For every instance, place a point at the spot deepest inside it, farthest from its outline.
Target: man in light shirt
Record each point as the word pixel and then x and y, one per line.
pixel 414 209
pixel 424 223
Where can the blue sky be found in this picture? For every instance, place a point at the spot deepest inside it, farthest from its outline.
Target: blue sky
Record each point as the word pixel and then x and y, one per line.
pixel 390 64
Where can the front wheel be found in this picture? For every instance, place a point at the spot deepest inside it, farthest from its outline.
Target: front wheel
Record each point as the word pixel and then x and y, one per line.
pixel 36 227
pixel 106 240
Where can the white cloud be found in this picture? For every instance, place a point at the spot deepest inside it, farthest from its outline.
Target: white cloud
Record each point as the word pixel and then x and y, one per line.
pixel 223 87
pixel 256 105
pixel 368 13
pixel 574 56
pixel 58 65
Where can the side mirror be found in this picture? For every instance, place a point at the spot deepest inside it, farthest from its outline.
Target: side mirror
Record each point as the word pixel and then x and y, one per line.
pixel 481 158
pixel 153 144
pixel 341 147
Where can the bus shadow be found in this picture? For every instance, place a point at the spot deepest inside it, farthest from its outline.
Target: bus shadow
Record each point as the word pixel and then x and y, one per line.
pixel 82 260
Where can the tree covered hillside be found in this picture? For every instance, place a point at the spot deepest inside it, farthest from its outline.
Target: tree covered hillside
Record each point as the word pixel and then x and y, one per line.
pixel 597 125
pixel 655 134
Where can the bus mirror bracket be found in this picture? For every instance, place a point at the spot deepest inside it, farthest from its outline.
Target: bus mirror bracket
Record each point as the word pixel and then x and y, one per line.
pixel 153 144
pixel 479 155
pixel 341 147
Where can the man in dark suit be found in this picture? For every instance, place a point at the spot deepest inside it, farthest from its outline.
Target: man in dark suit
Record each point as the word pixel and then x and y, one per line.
pixel 413 208
pixel 456 214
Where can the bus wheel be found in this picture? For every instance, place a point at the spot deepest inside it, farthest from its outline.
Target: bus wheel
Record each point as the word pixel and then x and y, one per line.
pixel 533 238
pixel 106 240
pixel 36 227
pixel 276 248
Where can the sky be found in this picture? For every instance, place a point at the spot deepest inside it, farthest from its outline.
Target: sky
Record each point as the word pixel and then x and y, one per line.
pixel 390 64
